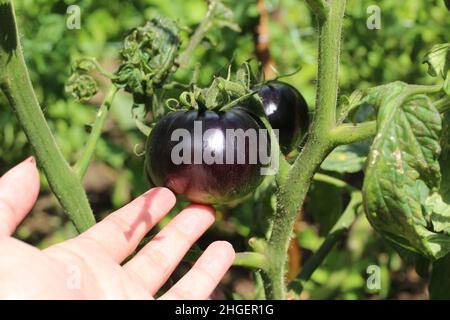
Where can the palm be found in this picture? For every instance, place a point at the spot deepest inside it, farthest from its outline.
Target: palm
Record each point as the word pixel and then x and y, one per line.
pixel 89 266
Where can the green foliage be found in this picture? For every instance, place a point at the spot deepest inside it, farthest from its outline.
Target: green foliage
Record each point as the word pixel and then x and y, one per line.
pixel 81 84
pixel 409 207
pixel 438 60
pixel 439 280
pixel 148 57
pixel 403 173
pixel 349 158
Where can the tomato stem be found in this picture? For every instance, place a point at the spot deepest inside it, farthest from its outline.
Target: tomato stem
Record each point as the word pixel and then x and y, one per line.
pixel 251 260
pixel 236 101
pixel 320 8
pixel 83 163
pixel 352 132
pixel 198 35
pixel 443 105
pixel 294 184
pixel 15 83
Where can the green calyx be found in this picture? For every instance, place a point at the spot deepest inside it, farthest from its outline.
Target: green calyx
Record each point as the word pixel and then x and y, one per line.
pixel 222 94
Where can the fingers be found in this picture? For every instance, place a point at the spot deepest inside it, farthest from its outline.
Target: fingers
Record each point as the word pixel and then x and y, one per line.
pixel 19 189
pixel 120 233
pixel 157 260
pixel 205 275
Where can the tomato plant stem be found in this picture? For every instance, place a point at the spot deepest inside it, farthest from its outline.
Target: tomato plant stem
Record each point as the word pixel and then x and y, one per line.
pixel 198 35
pixel 15 83
pixel 349 132
pixel 292 190
pixel 443 105
pixel 83 163
pixel 319 7
pixel 251 260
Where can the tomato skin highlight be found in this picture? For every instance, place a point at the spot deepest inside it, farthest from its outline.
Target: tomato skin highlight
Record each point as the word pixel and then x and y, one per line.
pixel 205 183
pixel 287 111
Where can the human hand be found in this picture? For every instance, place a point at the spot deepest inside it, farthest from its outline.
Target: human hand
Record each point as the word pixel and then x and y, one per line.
pixel 88 266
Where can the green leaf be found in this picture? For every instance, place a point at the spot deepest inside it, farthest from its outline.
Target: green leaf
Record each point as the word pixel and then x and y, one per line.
pixel 224 17
pixel 444 159
pixel 439 213
pixel 349 103
pixel 439 285
pixel 403 174
pixel 81 86
pixel 437 205
pixel 347 158
pixel 438 60
pixel 212 94
pixel 446 85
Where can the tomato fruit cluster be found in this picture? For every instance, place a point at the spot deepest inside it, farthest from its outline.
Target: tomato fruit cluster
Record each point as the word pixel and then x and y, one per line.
pixel 189 151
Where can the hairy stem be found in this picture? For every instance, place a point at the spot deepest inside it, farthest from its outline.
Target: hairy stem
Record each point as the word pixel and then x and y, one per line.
pixel 341 226
pixel 292 189
pixel 443 105
pixel 349 132
pixel 251 260
pixel 83 163
pixel 319 7
pixel 417 88
pixel 15 83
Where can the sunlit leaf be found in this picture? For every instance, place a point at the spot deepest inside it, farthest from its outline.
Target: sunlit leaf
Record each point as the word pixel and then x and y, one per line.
pixel 438 60
pixel 403 174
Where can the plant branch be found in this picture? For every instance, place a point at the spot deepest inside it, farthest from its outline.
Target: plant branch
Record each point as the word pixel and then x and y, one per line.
pixel 198 35
pixel 251 260
pixel 83 163
pixel 320 8
pixel 350 132
pixel 15 83
pixel 99 67
pixel 341 226
pixel 334 181
pixel 328 68
pixel 443 105
pixel 292 190
pixel 417 88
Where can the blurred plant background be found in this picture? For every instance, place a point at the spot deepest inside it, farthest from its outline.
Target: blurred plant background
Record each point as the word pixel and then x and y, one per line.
pixel 369 57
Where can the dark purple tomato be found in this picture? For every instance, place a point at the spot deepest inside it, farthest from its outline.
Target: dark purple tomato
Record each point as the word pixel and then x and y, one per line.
pixel 190 153
pixel 287 111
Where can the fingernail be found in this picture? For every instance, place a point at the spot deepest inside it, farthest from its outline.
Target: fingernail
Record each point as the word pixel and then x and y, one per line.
pixel 30 160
